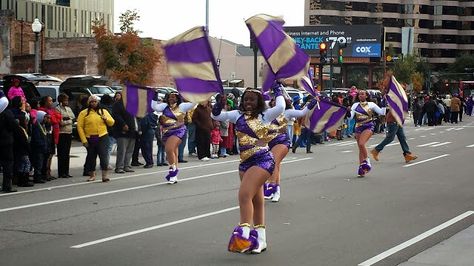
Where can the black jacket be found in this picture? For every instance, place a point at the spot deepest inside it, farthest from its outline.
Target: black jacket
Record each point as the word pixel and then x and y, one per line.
pixel 7 128
pixel 122 118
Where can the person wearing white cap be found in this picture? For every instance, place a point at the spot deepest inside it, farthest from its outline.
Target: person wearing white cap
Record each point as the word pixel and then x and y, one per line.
pixel 92 124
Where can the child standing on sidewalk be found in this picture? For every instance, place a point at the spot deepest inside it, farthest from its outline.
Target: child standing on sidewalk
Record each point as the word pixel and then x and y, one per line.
pixel 215 139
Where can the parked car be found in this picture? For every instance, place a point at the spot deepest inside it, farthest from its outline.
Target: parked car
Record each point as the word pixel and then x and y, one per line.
pixel 80 87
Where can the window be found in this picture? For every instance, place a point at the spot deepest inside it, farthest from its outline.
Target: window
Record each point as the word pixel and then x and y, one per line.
pixel 63 2
pixel 101 90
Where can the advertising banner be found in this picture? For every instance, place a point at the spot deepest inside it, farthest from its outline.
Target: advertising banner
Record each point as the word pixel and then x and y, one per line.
pixel 361 40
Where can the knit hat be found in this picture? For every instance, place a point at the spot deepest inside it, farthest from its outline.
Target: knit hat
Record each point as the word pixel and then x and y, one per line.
pixel 40 116
pixel 93 98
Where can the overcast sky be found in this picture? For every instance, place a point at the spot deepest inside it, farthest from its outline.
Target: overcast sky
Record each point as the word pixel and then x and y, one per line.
pixel 163 19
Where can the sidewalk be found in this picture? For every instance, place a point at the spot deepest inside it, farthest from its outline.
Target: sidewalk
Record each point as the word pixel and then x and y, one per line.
pixel 455 251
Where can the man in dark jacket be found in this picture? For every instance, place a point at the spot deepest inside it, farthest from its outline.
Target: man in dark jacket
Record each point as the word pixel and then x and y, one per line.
pixel 7 128
pixel 202 119
pixel 125 131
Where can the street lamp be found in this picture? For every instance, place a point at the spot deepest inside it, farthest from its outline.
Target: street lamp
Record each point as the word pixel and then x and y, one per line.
pixel 36 27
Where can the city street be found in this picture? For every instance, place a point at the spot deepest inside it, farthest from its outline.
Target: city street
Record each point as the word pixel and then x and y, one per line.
pixel 326 216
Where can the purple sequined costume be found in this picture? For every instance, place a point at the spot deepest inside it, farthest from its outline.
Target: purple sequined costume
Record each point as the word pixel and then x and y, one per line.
pixel 364 118
pixel 254 151
pixel 279 133
pixel 172 121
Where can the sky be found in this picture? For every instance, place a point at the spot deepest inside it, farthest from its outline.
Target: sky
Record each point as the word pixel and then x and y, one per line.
pixel 164 19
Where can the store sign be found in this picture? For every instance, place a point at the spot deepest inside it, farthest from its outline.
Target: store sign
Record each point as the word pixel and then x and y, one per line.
pixel 360 40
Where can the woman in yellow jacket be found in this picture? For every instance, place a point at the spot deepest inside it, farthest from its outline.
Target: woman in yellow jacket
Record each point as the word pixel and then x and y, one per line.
pixel 92 126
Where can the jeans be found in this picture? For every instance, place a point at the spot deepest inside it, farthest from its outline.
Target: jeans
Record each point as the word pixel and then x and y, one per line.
pixel 304 138
pixel 125 147
pixel 289 130
pixel 191 138
pixel 160 155
pixel 147 151
pixel 394 129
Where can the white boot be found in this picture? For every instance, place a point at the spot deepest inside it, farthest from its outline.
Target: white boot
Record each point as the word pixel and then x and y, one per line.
pixel 259 233
pixel 276 195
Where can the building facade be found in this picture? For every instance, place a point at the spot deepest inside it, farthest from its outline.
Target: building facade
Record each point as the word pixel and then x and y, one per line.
pixel 63 18
pixel 442 30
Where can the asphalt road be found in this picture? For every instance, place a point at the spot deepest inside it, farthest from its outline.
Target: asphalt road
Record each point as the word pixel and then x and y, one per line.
pixel 326 216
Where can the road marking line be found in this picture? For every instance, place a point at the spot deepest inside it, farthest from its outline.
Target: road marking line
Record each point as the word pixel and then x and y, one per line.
pixel 441 144
pixel 346 151
pixel 459 128
pixel 414 240
pixel 339 143
pixel 427 160
pixel 428 144
pixel 411 138
pixel 126 189
pixel 432 134
pixel 423 136
pixel 114 178
pixel 204 215
pixel 451 128
pixel 346 144
pixel 470 146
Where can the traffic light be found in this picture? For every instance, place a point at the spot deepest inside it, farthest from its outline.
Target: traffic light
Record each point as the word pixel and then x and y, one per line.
pixel 323 49
pixel 340 58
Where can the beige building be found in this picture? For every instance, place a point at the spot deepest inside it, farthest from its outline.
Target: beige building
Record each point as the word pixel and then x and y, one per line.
pixel 443 30
pixel 236 63
pixel 63 18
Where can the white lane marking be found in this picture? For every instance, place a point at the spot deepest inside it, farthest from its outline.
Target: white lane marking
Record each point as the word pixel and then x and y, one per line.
pixel 373 145
pixel 414 240
pixel 423 136
pixel 451 128
pixel 459 128
pixel 185 220
pixel 427 160
pixel 411 138
pixel 113 179
pixel 346 144
pixel 346 151
pixel 428 144
pixel 441 144
pixel 432 134
pixel 342 142
pixel 125 189
pixel 470 146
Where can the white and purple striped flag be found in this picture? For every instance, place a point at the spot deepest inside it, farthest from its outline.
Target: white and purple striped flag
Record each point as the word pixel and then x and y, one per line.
pixel 397 100
pixel 326 116
pixel 284 58
pixel 307 84
pixel 192 65
pixel 137 99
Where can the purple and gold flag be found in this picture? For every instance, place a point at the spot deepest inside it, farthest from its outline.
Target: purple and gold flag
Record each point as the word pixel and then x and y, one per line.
pixel 285 59
pixel 137 99
pixel 397 100
pixel 192 65
pixel 307 84
pixel 326 116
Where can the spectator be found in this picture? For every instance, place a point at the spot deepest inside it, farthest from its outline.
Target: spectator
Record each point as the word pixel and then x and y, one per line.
pixel 22 151
pixel 125 132
pixel 160 155
pixel 38 146
pixel 455 108
pixel 52 127
pixel 148 125
pixel 16 90
pixel 92 126
pixel 7 128
pixel 106 101
pixel 215 139
pixel 65 135
pixel 204 125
